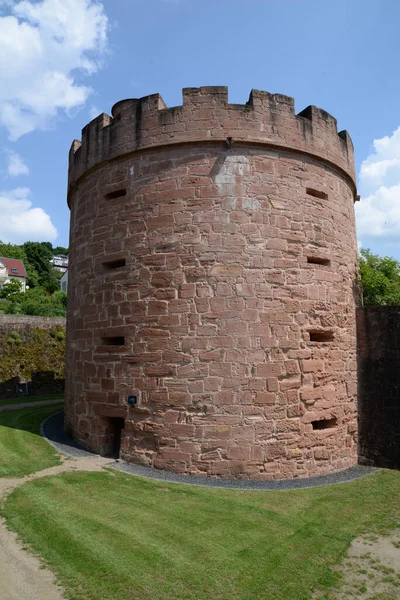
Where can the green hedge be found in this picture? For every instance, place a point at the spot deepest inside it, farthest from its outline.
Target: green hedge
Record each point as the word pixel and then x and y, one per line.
pixel 32 349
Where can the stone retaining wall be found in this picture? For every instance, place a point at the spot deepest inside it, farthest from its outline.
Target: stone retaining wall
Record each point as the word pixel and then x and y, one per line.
pixel 378 331
pixel 32 355
pixel 13 322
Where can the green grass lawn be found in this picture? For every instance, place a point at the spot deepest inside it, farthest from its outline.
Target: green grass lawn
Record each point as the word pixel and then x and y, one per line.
pixel 22 450
pixel 110 536
pixel 24 399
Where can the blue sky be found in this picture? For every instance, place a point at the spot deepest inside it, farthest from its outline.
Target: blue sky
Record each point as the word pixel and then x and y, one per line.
pixel 62 62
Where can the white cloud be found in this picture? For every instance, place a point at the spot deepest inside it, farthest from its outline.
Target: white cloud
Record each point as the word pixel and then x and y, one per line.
pixel 383 165
pixel 378 213
pixel 375 173
pixel 16 165
pixel 20 221
pixel 44 47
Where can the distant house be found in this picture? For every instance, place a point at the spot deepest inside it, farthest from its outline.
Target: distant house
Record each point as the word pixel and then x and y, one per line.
pixel 60 263
pixel 12 268
pixel 64 282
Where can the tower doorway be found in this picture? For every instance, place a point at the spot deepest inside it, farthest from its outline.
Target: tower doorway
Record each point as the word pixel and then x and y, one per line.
pixel 117 424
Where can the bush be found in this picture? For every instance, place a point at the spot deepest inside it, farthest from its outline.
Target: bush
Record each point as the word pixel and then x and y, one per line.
pixel 30 350
pixel 10 288
pixel 14 338
pixel 36 302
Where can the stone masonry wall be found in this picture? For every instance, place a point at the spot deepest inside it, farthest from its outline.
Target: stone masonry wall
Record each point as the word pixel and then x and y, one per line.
pixel 16 322
pixel 31 352
pixel 378 331
pixel 213 280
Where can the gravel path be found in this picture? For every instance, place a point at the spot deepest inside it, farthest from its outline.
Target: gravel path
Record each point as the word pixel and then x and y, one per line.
pixel 22 574
pixel 22 577
pixel 14 406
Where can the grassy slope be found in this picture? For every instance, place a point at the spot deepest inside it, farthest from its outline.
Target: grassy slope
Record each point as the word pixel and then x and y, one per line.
pixel 113 536
pixel 24 399
pixel 22 450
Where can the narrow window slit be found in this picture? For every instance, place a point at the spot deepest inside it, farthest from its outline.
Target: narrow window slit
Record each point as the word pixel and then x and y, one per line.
pixel 318 260
pixel 324 423
pixel 115 194
pixel 316 193
pixel 113 341
pixel 321 336
pixel 114 264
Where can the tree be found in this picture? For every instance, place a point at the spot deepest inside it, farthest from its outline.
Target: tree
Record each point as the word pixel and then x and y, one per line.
pixel 60 251
pixel 52 282
pixel 48 245
pixel 10 288
pixel 380 279
pixel 39 256
pixel 12 251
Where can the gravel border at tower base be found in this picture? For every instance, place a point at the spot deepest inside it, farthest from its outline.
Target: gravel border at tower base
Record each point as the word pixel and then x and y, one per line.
pixel 52 431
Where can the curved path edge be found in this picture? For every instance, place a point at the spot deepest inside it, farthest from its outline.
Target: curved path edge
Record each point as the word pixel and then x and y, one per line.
pixel 52 431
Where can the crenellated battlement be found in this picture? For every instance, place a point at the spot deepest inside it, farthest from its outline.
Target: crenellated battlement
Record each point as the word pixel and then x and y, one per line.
pixel 206 116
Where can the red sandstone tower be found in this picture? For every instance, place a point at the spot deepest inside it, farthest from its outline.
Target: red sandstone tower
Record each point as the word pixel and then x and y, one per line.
pixel 211 316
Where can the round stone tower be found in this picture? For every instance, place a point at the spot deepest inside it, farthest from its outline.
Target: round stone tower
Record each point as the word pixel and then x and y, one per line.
pixel 211 310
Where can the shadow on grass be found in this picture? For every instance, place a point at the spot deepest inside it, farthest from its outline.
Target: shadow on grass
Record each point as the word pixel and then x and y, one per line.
pixel 53 430
pixel 30 399
pixel 22 449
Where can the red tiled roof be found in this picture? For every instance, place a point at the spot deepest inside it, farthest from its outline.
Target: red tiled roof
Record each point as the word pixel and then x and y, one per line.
pixel 15 267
